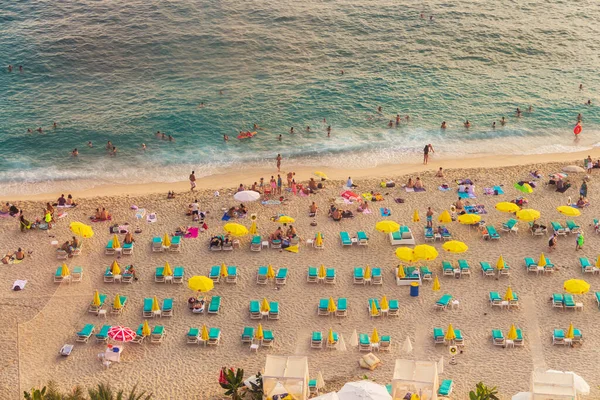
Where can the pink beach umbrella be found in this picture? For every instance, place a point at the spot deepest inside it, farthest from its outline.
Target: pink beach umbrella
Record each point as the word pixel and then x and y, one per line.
pixel 121 334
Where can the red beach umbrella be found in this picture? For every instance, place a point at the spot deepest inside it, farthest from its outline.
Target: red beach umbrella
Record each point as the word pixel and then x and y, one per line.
pixel 121 334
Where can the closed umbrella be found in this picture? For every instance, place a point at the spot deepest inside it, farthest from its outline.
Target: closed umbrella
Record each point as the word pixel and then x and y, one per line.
pixel 200 283
pixel 246 196
pixel 445 217
pixel 80 229
pixel 96 300
pixel 405 254
pixel 374 310
pixel 331 307
pixel 155 306
pixel 384 303
pixel 512 333
pixel 341 346
pixel 387 226
pixel 330 338
pixel 469 219
pixel 265 306
pixel 117 303
pixel 455 246
pixel 115 242
pixel 235 229
pixel 115 268
pixel 259 332
pixel 528 214
pixel 407 346
pixel 436 284
pixel 375 336
pixel 416 216
pixel 319 240
pixel 146 329
pixel 500 263
pixel 204 334
pixel 354 339
pixel 367 274
pixel 570 332
pixel 167 271
pixel 64 271
pixel 425 252
pixel 597 262
pixel 270 272
pixel 542 262
pixel 253 228
pixel 450 334
pixel 401 273
pixel 568 211
pixel 166 242
pixel 223 272
pixel 507 207
pixel 508 296
pixel 121 334
pixel 322 273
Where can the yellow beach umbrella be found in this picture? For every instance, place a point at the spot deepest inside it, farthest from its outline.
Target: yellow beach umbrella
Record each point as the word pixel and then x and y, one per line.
pixel 253 228
pixel 270 272
pixel 146 328
pixel 469 219
pixel 117 303
pixel 115 268
pixel 576 286
pixel 384 303
pixel 330 337
pixel 200 283
pixel 204 333
pixel 115 242
pixel 223 271
pixel 425 252
pixel 445 217
pixel 375 336
pixel 96 301
pixel 367 273
pixel 167 270
pixel 80 229
pixel 508 296
pixel 415 396
pixel 265 306
pixel 322 272
pixel 528 214
pixel 405 254
pixel 500 263
pixel 597 262
pixel 319 240
pixel 542 262
pixel 568 211
pixel 436 284
pixel 570 332
pixel 416 216
pixel 401 274
pixel 507 207
pixel 512 333
pixel 320 174
pixel 387 226
pixel 259 332
pixel 331 305
pixel 235 229
pixel 454 246
pixel 155 305
pixel 374 310
pixel 525 188
pixel 166 240
pixel 284 219
pixel 450 334
pixel 64 271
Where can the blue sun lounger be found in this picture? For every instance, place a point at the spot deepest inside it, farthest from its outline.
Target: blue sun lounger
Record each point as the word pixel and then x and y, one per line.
pixel 102 336
pixel 84 334
pixel 443 302
pixel 345 238
pixel 446 387
pixel 438 336
pixel 215 305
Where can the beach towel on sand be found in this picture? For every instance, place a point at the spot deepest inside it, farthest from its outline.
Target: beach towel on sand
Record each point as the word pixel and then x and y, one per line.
pixel 192 233
pixel 385 212
pixel 409 190
pixel 140 213
pixel 444 188
pixel 419 189
pixel 225 217
pixel 367 211
pixel 151 217
pixel 19 284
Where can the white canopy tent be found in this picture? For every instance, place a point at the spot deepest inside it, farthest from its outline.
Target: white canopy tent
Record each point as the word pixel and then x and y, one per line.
pixel 291 372
pixel 419 377
pixel 546 385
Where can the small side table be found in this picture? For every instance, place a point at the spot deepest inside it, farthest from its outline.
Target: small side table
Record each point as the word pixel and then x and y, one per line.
pixel 455 304
pixel 579 306
pixel 265 244
pixel 101 313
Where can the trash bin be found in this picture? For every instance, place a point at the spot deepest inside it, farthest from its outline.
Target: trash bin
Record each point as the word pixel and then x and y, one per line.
pixel 414 289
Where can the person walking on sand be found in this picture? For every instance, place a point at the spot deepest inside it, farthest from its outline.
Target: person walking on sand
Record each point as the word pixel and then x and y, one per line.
pixel 429 217
pixel 579 243
pixel 278 159
pixel 428 148
pixel 192 181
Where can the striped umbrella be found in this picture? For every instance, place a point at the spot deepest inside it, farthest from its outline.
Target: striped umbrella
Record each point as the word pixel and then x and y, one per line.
pixel 121 334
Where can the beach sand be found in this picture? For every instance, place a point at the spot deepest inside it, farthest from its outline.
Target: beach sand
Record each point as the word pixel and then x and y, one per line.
pixel 36 322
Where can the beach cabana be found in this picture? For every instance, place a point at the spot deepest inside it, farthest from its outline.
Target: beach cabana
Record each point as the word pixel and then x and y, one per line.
pixel 291 372
pixel 420 377
pixel 556 385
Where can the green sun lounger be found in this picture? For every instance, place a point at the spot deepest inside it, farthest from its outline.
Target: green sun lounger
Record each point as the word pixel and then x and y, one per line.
pixel 215 305
pixel 342 304
pixel 345 238
pixel 103 334
pixel 445 387
pixel 247 334
pixel 569 301
pixel 364 340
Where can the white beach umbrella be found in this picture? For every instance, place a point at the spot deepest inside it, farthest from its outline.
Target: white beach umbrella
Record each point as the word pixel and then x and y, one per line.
pixel 320 381
pixel 246 196
pixel 407 346
pixel 341 344
pixel 327 396
pixel 363 390
pixel 354 339
pixel 440 365
pixel 581 385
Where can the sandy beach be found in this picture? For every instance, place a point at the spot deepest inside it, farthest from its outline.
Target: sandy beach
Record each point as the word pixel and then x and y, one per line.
pixel 36 322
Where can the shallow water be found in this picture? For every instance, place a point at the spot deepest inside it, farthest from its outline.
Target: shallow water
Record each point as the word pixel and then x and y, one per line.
pixel 121 71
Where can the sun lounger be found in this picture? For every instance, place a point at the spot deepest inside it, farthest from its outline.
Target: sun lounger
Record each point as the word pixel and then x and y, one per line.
pixel 359 278
pixel 363 239
pixel 247 334
pixel 322 307
pixel 61 254
pixel 558 337
pixel 549 267
pixel 214 336
pixel 394 308
pixel 342 307
pixel 402 237
pixel 127 248
pixel 281 276
pixel 558 229
pixel 577 336
pixel 109 250
pixel 256 243
pixel 147 310
pixel 464 267
pixel 76 274
pixel 558 300
pixel 158 334
pixel 486 268
pixel 495 299
pixel 276 244
pixel 448 268
pixel 167 308
pixel 510 226
pixel 316 341
pixel 538 231
pixel 505 270
pixel 520 340
pixel 498 338
pixel 597 294
pixel 215 273
pixel 102 336
pixel 569 302
pixel 443 302
pixel 139 337
pixel 364 343
pixel 333 345
pixel 438 336
pixel 84 334
pixel 175 244
pixel 531 265
pixel 159 275
pixel 376 278
pixel 330 276
pixel 313 275
pixel 459 340
pixel 426 274
pixel 178 273
pixel 94 309
pixel 227 246
pixel 586 265
pixel 573 227
pixel 515 301
pixel 345 238
pixel 446 235
pixel 108 276
pixel 274 311
pixel 268 338
pixel 232 275
pixel 193 336
pixel 428 233
pixel 58 278
pixel 492 233
pixel 119 311
pixel 261 275
pixel 446 387
pixel 215 305
pixel 157 246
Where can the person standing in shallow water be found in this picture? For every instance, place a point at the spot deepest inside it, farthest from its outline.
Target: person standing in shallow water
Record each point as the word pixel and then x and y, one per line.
pixel 278 159
pixel 428 148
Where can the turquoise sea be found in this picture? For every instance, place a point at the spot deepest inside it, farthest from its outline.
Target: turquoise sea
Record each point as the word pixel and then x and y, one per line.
pixel 122 70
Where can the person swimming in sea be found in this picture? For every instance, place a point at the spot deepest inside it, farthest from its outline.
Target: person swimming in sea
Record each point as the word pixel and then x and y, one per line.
pixel 280 137
pixel 29 130
pixel 171 138
pixel 89 144
pixel 391 124
pixel 397 119
pixel 201 105
pixel 342 72
pixel 580 87
pixel 226 137
pixel 109 145
pixel 329 131
pixel 443 125
pixel 158 134
pixel 75 153
pixel 503 121
pixel 163 136
pixel 518 112
pixel 494 125
pixel 54 125
pixel 407 118
pixel 308 129
pixel 144 146
pixel 114 151
pixel 530 109
pixel 9 68
pixel 379 109
pixel 292 130
pixel 579 117
pixel 589 102
pixel 467 124
pixel 40 130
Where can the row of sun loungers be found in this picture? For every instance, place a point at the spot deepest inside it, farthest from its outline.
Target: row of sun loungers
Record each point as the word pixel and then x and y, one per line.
pixel 126 248
pixel 158 244
pixel 432 236
pixel 75 275
pixel 314 276
pixel 364 277
pixel 194 336
pixel 258 312
pixel 63 255
pixel 177 277
pixel 341 307
pixel 361 239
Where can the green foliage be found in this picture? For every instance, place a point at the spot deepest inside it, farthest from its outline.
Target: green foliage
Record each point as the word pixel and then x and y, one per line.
pixel 234 383
pixel 101 392
pixel 482 392
pixel 256 390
